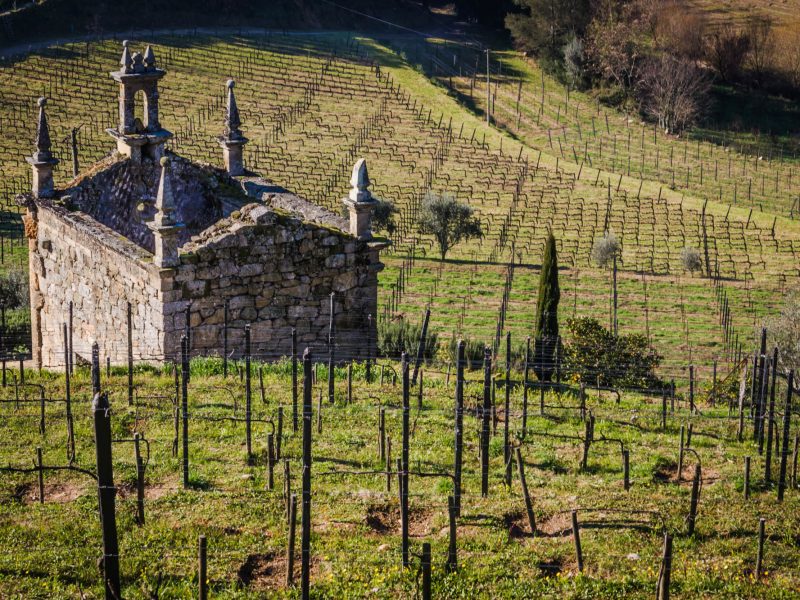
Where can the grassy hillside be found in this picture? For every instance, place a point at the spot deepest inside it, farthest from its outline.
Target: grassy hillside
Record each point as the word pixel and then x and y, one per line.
pixel 312 105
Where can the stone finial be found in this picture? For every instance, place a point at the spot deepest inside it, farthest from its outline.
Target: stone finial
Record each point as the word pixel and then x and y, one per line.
pixel 42 160
pixel 165 200
pixel 360 182
pixel 43 143
pixel 125 62
pixel 232 140
pixel 149 59
pixel 231 129
pixel 359 202
pixel 165 228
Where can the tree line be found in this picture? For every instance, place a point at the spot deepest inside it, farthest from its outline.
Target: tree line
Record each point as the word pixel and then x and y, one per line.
pixel 660 57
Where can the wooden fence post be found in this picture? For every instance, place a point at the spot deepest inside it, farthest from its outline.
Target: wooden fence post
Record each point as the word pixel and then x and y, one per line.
pixel 694 500
pixel 107 492
pixel 294 380
pixel 139 479
pixel 662 591
pixel 290 549
pixel 760 554
pixel 576 537
pixel 485 415
pixel 225 340
pixel 68 400
pixel 452 549
pixel 426 571
pixel 185 406
pixel 305 542
pixel 507 417
pixel 270 461
pixel 679 474
pixel 746 477
pixel 526 495
pixel 40 468
pixel 787 417
pixel 130 354
pixel 459 426
pixel 626 469
pixel 404 460
pixel 525 386
pixel 331 373
pixel 202 575
pixel 421 345
pixel 248 397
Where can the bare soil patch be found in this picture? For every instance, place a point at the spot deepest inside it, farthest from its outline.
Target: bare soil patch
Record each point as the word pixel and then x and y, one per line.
pixel 385 518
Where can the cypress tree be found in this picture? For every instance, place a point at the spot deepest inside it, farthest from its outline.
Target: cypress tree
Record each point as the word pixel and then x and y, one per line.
pixel 546 334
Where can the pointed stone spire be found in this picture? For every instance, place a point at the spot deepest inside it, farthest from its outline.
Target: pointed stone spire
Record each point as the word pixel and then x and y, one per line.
pixel 360 182
pixel 360 203
pixel 231 130
pixel 232 140
pixel 42 160
pixel 149 59
pixel 43 143
pixel 126 61
pixel 165 200
pixel 165 229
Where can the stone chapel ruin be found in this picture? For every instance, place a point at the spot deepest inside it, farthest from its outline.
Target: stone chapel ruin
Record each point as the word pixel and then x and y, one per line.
pixel 184 243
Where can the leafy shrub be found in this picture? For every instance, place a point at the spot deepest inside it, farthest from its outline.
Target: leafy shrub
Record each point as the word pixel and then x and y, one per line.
pixel 14 289
pixel 473 351
pixel 593 354
pixel 690 257
pixel 398 335
pixel 383 216
pixel 605 249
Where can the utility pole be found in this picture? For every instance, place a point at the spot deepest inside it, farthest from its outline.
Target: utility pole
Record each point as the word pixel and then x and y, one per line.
pixel 488 90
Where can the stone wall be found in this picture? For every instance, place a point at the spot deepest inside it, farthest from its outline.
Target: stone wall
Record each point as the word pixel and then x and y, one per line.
pixel 74 258
pixel 277 272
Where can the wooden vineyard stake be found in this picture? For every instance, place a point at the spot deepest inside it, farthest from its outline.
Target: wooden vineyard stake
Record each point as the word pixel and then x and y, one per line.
pixel 459 427
pixel 665 574
pixel 576 538
pixel 526 495
pixel 485 424
pixel 746 477
pixel 202 571
pixel 452 549
pixel 787 417
pixel 305 534
pixel 106 493
pixel 290 548
pixel 403 471
pixel 694 501
pixel 248 397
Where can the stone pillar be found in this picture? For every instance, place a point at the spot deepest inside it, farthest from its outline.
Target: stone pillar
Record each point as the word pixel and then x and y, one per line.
pixel 360 202
pixel 232 140
pixel 165 229
pixel 42 161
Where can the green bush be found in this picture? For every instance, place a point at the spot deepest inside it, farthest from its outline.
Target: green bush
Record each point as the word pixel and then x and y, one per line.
pixel 398 335
pixel 593 354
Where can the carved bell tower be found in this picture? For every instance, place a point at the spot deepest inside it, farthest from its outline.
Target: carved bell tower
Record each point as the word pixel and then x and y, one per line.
pixel 137 138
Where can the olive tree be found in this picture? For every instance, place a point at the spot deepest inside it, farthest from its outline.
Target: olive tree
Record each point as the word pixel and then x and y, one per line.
pixel 448 221
pixel 605 252
pixel 690 257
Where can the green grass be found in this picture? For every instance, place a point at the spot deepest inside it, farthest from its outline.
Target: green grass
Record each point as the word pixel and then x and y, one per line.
pixel 416 134
pixel 50 550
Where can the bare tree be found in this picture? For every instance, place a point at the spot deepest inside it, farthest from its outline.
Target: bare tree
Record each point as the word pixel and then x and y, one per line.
pixel 726 51
pixel 762 46
pixel 674 91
